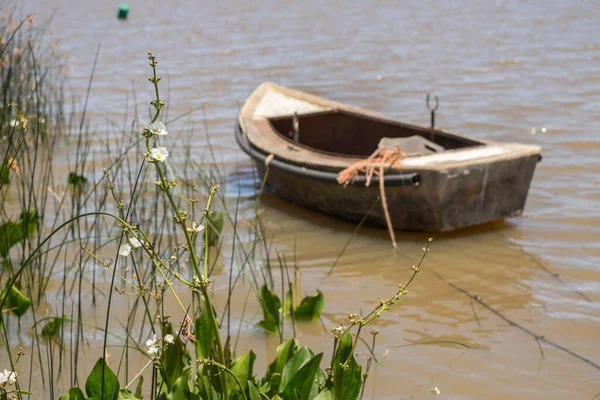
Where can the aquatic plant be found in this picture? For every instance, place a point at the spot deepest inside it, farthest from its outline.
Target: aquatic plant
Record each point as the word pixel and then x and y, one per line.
pixel 162 248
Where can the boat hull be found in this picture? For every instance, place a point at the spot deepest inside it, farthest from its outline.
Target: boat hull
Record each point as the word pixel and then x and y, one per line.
pixel 443 201
pixel 444 182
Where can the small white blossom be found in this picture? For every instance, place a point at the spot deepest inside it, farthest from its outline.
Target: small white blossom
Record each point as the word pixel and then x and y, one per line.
pixel 159 154
pixel 151 342
pixel 7 378
pixel 170 339
pixel 135 242
pixel 153 350
pixel 13 123
pixel 198 227
pixel 158 128
pixel 435 390
pixel 125 250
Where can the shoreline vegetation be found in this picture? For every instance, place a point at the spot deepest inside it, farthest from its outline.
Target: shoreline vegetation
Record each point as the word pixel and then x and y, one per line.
pixel 145 237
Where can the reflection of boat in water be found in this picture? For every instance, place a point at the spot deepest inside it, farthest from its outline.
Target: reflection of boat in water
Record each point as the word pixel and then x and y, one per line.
pixel 445 181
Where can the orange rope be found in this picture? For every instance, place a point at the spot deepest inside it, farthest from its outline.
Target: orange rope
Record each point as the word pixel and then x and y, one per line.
pixel 375 164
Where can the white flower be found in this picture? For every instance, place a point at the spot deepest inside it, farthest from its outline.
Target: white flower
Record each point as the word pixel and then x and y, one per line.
pixel 170 339
pixel 8 378
pixel 435 390
pixel 125 250
pixel 158 128
pixel 159 154
pixel 151 342
pixel 135 242
pixel 153 350
pixel 198 227
pixel 13 123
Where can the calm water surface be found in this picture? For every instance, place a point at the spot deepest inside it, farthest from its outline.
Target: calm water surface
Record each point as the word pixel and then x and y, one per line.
pixel 505 70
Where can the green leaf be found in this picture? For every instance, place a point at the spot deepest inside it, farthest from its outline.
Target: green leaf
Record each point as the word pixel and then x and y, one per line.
pixel 205 348
pixel 12 233
pixel 214 227
pixel 172 361
pixel 284 352
pixel 320 383
pixel 301 383
pixel 76 183
pixel 288 302
pixel 93 385
pixel 16 301
pixel 125 394
pixel 243 369
pixel 5 172
pixel 73 394
pixel 205 334
pixel 310 307
pixel 181 388
pixel 52 328
pixel 253 393
pixel 291 367
pixel 324 395
pixel 76 180
pixel 139 387
pixel 347 373
pixel 271 306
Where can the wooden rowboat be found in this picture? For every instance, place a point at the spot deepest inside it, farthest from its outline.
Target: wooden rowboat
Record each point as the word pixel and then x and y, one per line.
pixel 445 182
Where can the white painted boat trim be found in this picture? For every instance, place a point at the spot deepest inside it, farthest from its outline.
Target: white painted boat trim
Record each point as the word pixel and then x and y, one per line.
pixel 276 104
pixel 461 155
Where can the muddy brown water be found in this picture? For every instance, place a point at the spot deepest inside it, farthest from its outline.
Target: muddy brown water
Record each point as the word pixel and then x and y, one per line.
pixel 505 70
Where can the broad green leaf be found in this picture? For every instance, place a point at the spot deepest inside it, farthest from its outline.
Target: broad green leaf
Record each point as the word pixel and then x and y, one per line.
pixel 73 394
pixel 12 233
pixel 273 377
pixel 203 384
pixel 325 395
pixel 310 307
pixel 320 383
pixel 214 227
pixel 16 301
pixel 205 348
pixel 52 328
pixel 242 368
pixel 172 361
pixel 253 393
pixel 300 385
pixel 347 378
pixel 125 394
pixel 291 367
pixel 93 385
pixel 181 389
pixel 205 334
pixel 284 352
pixel 271 306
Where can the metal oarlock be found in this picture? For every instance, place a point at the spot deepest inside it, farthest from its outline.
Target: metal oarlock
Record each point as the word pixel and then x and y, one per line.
pixel 296 127
pixel 432 110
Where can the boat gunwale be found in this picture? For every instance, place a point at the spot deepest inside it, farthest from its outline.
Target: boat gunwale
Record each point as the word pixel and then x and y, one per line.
pixel 390 121
pixel 405 178
pixel 262 135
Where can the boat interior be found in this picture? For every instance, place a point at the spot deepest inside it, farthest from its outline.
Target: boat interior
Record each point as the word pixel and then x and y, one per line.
pixel 343 133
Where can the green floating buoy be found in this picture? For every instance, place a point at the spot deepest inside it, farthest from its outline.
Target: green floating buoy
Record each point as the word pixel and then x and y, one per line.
pixel 123 11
